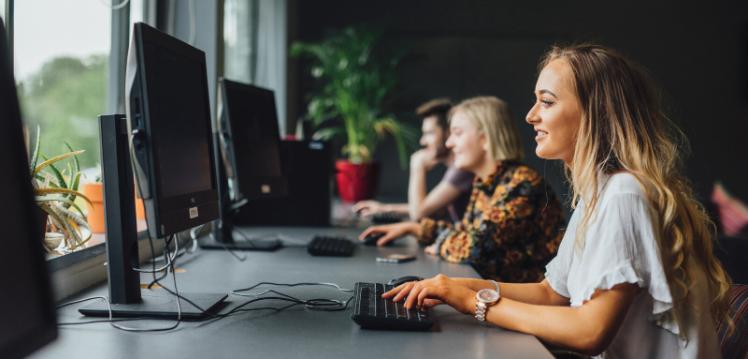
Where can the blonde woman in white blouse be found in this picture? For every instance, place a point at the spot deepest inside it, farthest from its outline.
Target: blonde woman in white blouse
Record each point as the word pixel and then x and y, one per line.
pixel 635 276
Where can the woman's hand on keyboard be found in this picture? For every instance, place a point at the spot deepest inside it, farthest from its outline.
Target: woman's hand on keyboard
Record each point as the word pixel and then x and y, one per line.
pixel 433 291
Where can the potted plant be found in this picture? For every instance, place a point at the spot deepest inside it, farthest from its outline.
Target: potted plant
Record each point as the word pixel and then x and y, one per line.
pixel 56 191
pixel 94 191
pixel 356 80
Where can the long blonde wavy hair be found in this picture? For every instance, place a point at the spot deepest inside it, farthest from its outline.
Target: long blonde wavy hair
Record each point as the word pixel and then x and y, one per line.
pixel 624 128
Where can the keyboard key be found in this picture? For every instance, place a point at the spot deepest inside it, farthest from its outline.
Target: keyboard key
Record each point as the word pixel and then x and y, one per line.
pixel 423 315
pixel 389 308
pixel 400 310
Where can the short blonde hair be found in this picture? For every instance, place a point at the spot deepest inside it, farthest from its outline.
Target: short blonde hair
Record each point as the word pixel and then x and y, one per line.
pixel 492 117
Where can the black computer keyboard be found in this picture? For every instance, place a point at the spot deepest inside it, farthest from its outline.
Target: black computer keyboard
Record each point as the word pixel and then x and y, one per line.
pixel 371 311
pixel 331 246
pixel 387 217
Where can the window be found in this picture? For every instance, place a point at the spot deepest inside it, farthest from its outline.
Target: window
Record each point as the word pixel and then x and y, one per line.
pixel 69 60
pixel 238 40
pixel 61 58
pixel 254 47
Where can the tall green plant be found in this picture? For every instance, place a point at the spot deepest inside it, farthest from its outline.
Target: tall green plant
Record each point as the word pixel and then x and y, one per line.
pixel 356 80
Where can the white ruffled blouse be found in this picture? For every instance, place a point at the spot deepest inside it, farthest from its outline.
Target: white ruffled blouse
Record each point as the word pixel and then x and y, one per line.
pixel 620 247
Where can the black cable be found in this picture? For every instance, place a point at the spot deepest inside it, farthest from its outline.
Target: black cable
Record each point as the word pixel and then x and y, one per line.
pixel 315 302
pixel 170 262
pixel 293 285
pixel 153 264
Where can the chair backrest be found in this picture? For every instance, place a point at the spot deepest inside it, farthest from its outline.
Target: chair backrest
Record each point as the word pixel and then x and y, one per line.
pixel 735 345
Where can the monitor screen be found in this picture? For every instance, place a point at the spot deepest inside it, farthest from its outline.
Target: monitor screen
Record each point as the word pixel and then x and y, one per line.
pixel 249 113
pixel 26 304
pixel 178 110
pixel 170 123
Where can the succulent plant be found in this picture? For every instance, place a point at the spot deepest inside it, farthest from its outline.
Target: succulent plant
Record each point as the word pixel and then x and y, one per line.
pixel 56 191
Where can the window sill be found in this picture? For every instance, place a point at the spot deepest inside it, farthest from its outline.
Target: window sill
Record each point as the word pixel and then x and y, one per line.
pixel 73 272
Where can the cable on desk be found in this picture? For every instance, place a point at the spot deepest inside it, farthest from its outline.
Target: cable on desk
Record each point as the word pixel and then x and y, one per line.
pixel 241 258
pixel 311 304
pixel 320 304
pixel 237 291
pixel 105 299
pixel 334 305
pixel 170 262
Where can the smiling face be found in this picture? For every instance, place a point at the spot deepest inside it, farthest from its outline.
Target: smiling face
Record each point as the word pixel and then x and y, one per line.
pixel 556 114
pixel 467 143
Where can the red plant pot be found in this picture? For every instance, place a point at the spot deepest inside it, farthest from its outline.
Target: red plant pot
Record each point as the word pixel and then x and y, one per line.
pixel 356 181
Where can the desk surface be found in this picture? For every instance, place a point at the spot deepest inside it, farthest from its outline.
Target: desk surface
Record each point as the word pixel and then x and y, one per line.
pixel 295 332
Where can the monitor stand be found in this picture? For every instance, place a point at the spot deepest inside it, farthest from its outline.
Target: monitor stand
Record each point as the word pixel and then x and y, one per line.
pixel 222 235
pixel 122 241
pixel 159 303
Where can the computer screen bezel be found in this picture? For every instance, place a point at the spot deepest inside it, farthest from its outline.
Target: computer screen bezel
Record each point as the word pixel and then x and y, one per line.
pixel 167 214
pixel 45 331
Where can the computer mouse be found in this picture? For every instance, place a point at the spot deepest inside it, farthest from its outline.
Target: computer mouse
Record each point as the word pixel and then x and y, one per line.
pixel 372 238
pixel 404 279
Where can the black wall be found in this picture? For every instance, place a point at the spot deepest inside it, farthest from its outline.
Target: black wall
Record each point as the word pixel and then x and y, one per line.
pixel 697 52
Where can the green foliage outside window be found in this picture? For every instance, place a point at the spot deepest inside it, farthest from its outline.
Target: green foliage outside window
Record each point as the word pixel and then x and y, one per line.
pixel 65 98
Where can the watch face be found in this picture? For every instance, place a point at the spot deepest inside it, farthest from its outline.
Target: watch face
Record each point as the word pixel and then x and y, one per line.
pixel 488 295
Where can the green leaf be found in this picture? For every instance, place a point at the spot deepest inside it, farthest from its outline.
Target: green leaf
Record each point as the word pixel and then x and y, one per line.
pixel 75 158
pixel 35 153
pixel 55 159
pixel 60 199
pixel 76 181
pixel 45 191
pixel 60 178
pixel 79 219
pixel 328 133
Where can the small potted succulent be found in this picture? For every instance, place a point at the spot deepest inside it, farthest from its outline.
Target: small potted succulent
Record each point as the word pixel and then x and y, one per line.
pixel 56 192
pixel 356 79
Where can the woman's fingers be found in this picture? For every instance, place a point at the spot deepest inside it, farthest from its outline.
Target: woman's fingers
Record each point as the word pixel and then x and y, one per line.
pixel 406 289
pixel 413 296
pixel 387 238
pixel 393 291
pixel 370 230
pixel 365 233
pixel 429 302
pixel 422 296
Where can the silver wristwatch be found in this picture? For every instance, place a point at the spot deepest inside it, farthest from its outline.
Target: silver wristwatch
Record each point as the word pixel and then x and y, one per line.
pixel 485 298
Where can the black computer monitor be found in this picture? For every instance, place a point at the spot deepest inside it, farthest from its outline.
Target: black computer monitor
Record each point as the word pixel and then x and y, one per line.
pixel 170 125
pixel 248 125
pixel 27 314
pixel 249 163
pixel 167 137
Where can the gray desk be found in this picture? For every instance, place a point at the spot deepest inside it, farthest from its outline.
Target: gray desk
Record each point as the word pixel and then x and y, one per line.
pixel 296 332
